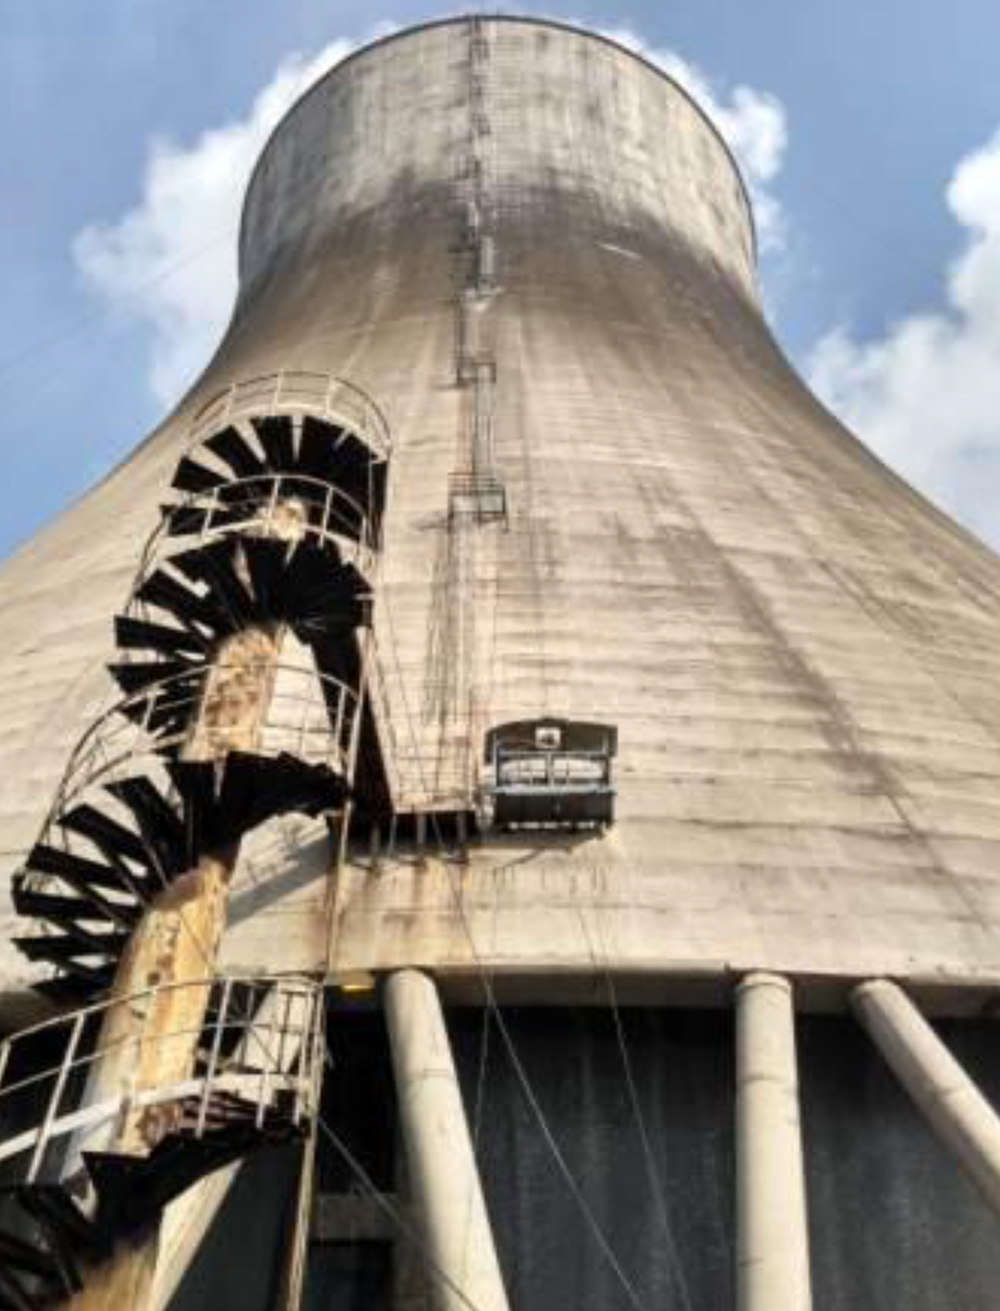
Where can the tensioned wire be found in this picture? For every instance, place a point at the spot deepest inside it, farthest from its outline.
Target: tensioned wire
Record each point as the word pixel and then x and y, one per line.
pixel 405 1227
pixel 649 1157
pixel 493 1009
pixel 523 1079
pixel 83 324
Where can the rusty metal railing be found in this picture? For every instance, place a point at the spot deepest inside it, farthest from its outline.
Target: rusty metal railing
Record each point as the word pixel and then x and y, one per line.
pixel 262 1041
pixel 296 391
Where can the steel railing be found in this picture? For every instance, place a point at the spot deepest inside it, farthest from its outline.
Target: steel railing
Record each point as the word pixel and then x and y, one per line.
pixel 296 391
pixel 261 1040
pixel 286 507
pixel 307 714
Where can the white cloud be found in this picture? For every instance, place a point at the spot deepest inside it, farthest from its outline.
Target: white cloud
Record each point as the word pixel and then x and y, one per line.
pixel 926 394
pixel 752 122
pixel 171 261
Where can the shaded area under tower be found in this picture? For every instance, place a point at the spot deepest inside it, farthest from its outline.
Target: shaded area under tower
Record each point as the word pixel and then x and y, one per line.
pixel 894 1222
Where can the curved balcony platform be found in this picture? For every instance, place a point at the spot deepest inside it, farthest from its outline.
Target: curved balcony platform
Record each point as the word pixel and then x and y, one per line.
pixel 290 508
pixel 327 432
pixel 73 1195
pixel 297 391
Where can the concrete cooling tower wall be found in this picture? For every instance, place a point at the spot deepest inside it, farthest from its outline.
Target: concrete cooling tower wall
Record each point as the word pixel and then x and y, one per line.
pixel 500 639
pixel 799 654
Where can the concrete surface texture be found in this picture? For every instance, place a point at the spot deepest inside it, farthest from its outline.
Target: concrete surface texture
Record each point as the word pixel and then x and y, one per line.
pixel 799 652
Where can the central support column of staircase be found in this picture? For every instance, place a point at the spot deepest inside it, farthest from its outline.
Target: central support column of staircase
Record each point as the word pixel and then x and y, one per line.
pixel 176 942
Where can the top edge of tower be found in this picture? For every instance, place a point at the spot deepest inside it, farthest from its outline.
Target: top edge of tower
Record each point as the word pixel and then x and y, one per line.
pixel 556 25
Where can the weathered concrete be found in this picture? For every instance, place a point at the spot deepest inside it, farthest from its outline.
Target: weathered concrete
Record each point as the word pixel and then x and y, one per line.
pixel 800 653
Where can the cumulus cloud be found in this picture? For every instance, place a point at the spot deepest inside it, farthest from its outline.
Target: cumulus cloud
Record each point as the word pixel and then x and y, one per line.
pixel 926 394
pixel 753 123
pixel 170 262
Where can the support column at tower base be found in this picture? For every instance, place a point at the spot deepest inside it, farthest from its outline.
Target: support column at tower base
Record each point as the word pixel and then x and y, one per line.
pixel 442 1167
pixel 948 1098
pixel 772 1229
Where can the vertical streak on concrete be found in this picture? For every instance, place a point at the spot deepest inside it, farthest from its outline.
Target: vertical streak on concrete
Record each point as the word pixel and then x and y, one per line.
pixel 442 1165
pixel 772 1227
pixel 951 1102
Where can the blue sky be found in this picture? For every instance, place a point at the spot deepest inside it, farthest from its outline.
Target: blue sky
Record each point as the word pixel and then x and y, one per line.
pixel 871 128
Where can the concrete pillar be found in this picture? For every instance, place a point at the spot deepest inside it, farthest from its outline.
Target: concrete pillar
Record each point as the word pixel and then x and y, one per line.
pixel 772 1231
pixel 953 1105
pixel 442 1167
pixel 186 1221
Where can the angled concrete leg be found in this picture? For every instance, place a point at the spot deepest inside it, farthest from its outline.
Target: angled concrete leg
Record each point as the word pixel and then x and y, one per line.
pixel 771 1223
pixel 953 1105
pixel 186 1221
pixel 442 1167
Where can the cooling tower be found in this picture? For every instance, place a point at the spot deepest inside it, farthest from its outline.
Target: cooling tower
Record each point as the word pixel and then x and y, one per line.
pixel 500 790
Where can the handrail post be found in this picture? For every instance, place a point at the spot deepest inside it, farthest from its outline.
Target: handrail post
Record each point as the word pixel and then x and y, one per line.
pixel 52 1110
pixel 338 721
pixel 328 511
pixel 221 1020
pixel 268 1057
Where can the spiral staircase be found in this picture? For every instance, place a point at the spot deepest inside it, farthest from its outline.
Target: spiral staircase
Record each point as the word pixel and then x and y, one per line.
pixel 274 530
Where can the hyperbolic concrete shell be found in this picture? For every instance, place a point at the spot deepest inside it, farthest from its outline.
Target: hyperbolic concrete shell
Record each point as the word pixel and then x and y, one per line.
pixel 800 653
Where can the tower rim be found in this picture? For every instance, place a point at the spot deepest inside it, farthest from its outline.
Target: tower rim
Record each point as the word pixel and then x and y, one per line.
pixel 553 24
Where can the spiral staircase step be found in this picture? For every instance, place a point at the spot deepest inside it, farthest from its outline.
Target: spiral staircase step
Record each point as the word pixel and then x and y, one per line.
pixel 190 476
pixel 77 871
pixel 184 520
pixel 134 676
pixel 232 448
pixel 213 564
pixel 161 827
pixel 276 436
pixel 168 593
pixel 75 940
pixel 141 634
pixel 54 907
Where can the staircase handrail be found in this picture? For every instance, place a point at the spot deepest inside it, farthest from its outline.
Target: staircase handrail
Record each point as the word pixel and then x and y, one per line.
pixel 288 390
